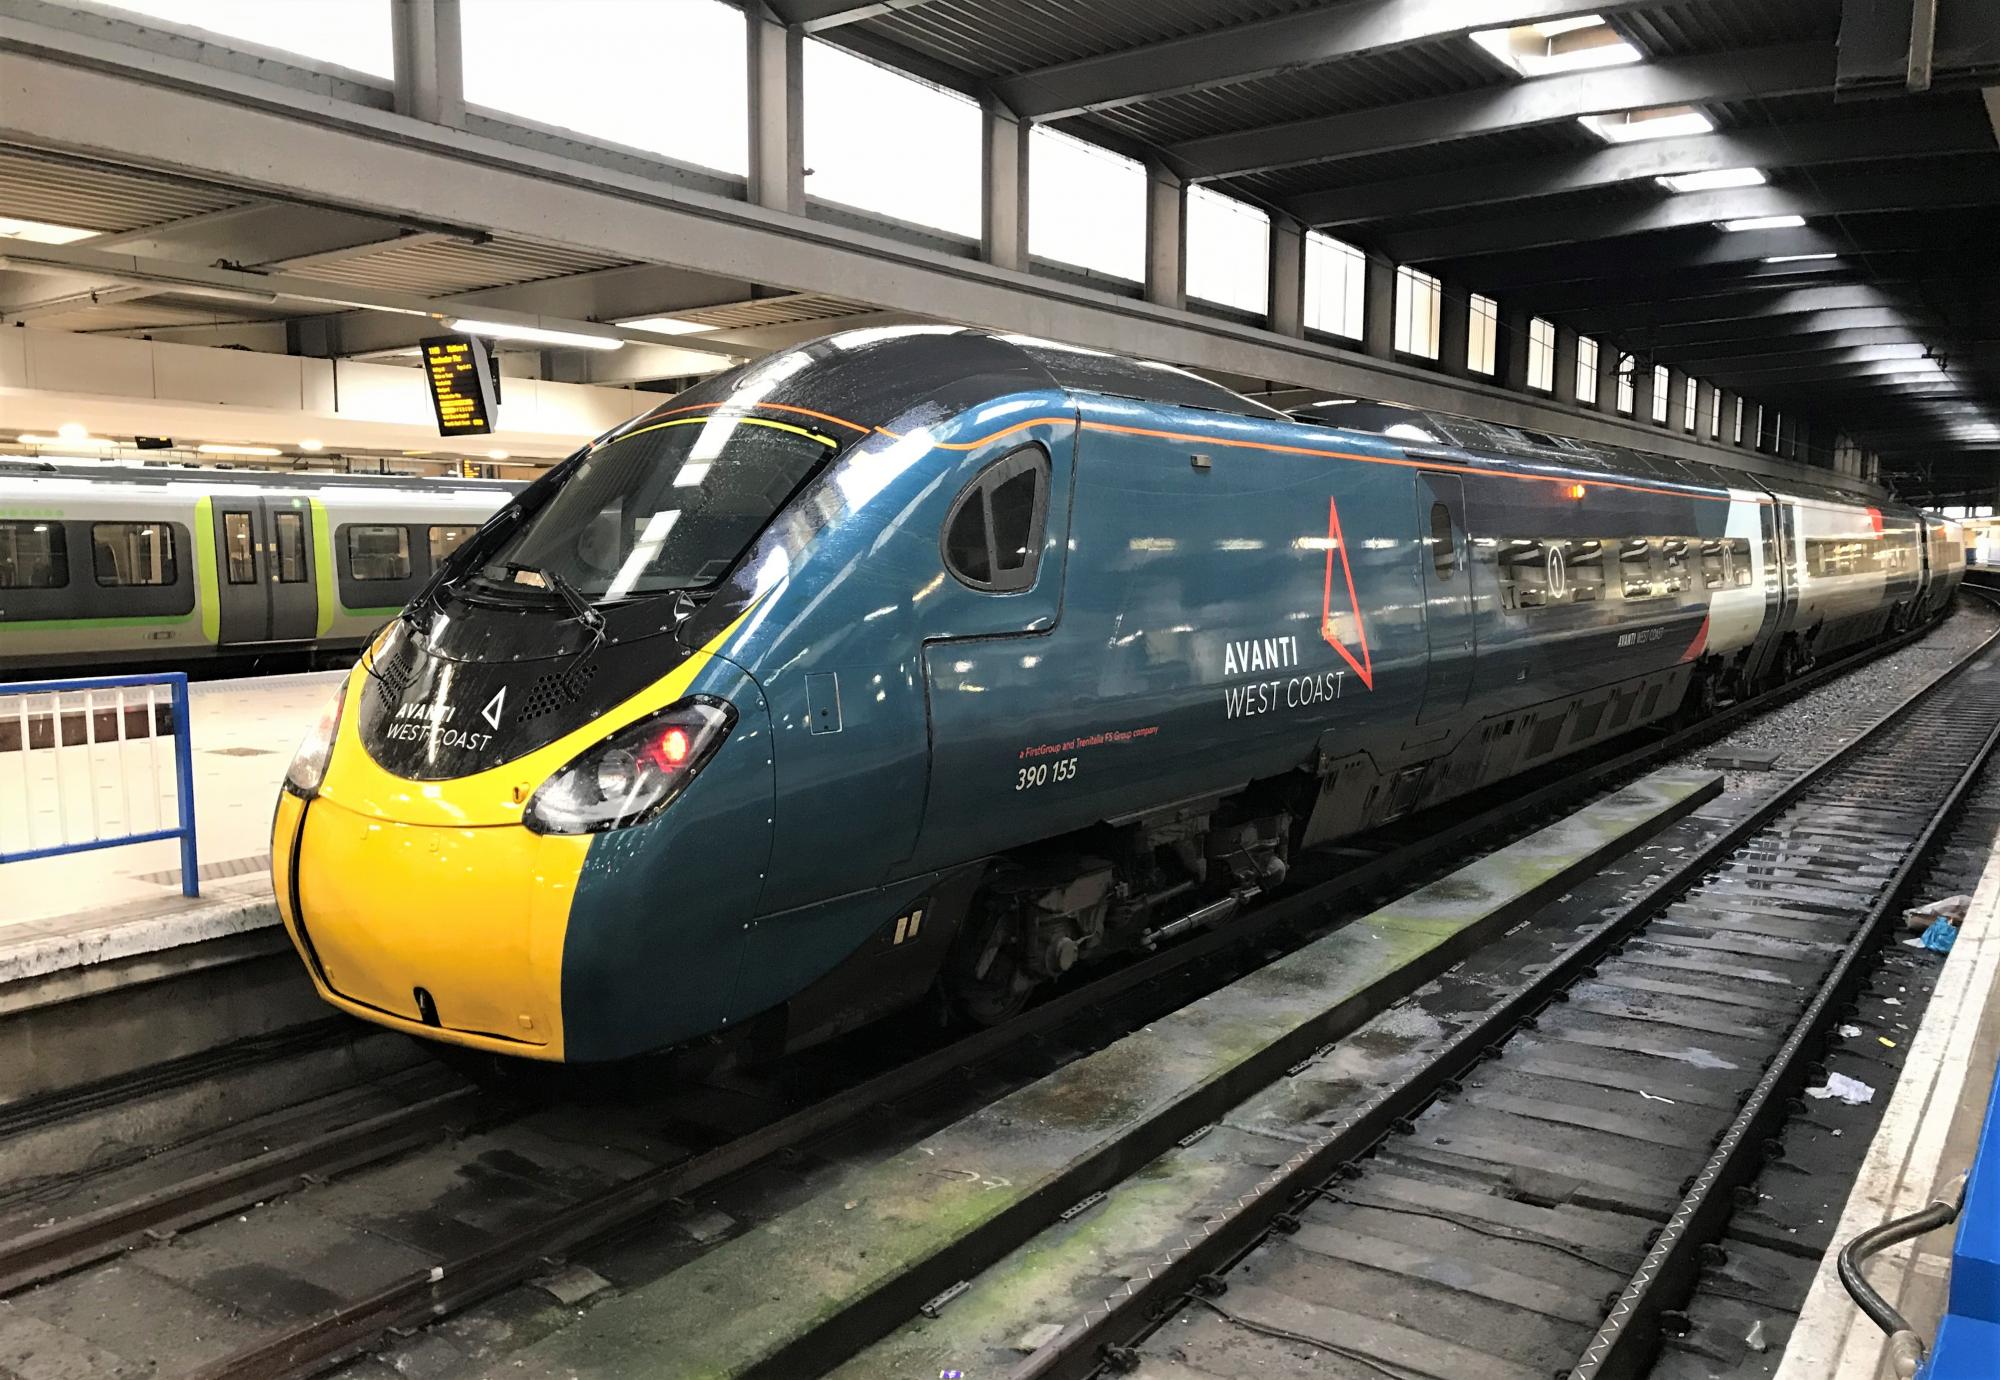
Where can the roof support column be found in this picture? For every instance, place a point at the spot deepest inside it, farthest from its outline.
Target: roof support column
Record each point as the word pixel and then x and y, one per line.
pixel 1003 186
pixel 1378 312
pixel 1510 348
pixel 777 112
pixel 1166 236
pixel 1677 383
pixel 1287 314
pixel 1706 399
pixel 1564 380
pixel 1454 329
pixel 1608 356
pixel 1642 393
pixel 429 60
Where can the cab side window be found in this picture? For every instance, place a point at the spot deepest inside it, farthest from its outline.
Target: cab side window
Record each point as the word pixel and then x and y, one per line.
pixel 992 538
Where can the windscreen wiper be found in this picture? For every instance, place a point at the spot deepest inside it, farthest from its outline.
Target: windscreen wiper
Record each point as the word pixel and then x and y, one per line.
pixel 579 607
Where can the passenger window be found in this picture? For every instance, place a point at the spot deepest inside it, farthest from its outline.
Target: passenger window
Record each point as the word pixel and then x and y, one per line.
pixel 1444 550
pixel 291 548
pixel 134 553
pixel 378 553
pixel 965 542
pixel 993 536
pixel 445 540
pixel 240 565
pixel 33 555
pixel 1635 563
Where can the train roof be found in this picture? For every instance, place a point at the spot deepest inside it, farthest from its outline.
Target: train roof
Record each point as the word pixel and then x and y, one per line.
pixel 1423 427
pixel 905 377
pixel 302 481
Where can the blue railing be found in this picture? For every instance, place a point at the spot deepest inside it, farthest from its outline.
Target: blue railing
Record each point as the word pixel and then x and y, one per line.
pixel 21 720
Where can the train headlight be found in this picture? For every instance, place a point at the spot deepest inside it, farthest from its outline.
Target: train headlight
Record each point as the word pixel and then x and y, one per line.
pixel 633 774
pixel 308 767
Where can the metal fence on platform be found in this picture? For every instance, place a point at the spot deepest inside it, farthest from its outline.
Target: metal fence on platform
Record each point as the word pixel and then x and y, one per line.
pixel 96 763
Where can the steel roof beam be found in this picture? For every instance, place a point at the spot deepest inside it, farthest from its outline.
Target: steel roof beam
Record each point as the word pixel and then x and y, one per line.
pixel 1853 238
pixel 1614 294
pixel 1735 307
pixel 817 16
pixel 1887 134
pixel 1266 47
pixel 1729 354
pixel 1918 188
pixel 1778 326
pixel 1780 70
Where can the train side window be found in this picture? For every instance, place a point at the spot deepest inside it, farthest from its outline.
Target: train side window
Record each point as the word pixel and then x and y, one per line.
pixel 378 553
pixel 993 534
pixel 33 555
pixel 445 540
pixel 1635 564
pixel 1673 560
pixel 291 532
pixel 1444 547
pixel 134 553
pixel 240 549
pixel 1584 569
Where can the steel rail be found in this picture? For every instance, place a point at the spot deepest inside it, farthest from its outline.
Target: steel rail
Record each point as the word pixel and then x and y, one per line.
pixel 349 1330
pixel 1624 1346
pixel 1104 1336
pixel 35 1256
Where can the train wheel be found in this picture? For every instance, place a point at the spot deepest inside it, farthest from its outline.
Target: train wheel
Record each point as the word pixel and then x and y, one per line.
pixel 985 980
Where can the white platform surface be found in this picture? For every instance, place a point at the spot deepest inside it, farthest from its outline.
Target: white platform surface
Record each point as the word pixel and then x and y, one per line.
pixel 84 907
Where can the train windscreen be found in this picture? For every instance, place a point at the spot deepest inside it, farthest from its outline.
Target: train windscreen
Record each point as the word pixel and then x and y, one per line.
pixel 667 505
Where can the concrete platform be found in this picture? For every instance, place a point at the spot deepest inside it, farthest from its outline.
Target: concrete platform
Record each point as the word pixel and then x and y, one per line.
pixel 1928 1136
pixel 888 1231
pixel 90 907
pixel 105 968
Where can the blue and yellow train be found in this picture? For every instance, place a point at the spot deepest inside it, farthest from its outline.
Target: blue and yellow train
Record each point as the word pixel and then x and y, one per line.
pixel 926 658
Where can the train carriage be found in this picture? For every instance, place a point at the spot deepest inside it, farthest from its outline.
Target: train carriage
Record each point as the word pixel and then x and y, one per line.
pixel 930 659
pixel 126 566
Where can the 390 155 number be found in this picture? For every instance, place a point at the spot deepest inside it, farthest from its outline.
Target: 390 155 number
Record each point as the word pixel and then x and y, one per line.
pixel 1041 773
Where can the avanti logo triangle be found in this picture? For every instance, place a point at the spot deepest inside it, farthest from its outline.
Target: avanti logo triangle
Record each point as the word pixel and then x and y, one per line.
pixel 1337 545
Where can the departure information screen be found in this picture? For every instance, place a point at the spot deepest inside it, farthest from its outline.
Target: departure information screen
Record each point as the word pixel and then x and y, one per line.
pixel 461 384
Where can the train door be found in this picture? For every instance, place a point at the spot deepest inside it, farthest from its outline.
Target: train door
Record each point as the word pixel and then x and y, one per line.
pixel 294 602
pixel 1447 578
pixel 263 566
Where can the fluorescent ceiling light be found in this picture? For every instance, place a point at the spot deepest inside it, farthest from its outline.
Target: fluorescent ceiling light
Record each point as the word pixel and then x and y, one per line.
pixel 238 450
pixel 496 455
pixel 1765 223
pixel 1565 45
pixel 41 232
pixel 92 441
pixel 310 444
pixel 1795 258
pixel 535 334
pixel 1661 122
pixel 668 325
pixel 72 431
pixel 1714 180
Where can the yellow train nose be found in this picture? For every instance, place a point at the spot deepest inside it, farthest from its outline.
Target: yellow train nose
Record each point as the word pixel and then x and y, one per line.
pixel 445 931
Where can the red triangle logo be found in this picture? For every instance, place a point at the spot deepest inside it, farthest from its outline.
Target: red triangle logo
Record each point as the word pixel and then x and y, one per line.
pixel 1335 543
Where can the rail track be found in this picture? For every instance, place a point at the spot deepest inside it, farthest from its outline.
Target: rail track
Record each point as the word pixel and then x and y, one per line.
pixel 1539 1199
pixel 1087 1015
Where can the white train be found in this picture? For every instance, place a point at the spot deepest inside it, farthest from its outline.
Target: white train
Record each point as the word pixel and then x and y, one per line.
pixel 131 566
